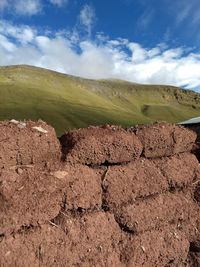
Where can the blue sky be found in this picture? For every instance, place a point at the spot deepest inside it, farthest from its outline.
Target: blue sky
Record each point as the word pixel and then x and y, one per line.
pixel 145 41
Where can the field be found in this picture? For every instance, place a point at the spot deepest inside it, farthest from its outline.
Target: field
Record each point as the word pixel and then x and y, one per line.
pixel 68 102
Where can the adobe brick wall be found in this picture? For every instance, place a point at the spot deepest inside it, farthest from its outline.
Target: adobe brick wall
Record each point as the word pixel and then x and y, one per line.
pixel 103 196
pixel 24 143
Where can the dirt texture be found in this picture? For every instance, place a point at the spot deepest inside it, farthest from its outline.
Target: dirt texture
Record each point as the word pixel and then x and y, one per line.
pixel 164 247
pixel 157 212
pixel 162 139
pixel 196 129
pixel 101 199
pixel 25 143
pixel 24 199
pixel 98 145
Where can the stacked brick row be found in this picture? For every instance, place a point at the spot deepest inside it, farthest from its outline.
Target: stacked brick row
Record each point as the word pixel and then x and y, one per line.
pixel 104 197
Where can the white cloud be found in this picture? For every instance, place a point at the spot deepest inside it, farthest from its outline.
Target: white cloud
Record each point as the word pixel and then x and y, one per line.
pixel 28 7
pixel 6 44
pixel 21 34
pixel 87 17
pixel 59 3
pixel 102 58
pixel 21 7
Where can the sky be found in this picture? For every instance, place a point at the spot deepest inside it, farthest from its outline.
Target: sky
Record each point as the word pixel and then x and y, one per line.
pixel 143 41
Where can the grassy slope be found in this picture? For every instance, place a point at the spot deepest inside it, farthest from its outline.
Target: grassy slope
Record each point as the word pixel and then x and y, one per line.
pixel 67 102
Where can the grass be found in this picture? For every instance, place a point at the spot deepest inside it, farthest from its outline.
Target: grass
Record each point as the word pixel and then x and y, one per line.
pixel 68 102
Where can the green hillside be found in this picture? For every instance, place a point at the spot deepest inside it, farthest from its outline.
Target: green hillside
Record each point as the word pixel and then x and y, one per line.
pixel 68 102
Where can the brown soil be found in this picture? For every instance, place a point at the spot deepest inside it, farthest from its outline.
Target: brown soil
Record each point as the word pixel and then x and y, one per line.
pixel 98 145
pixel 162 139
pixel 164 247
pixel 31 198
pixel 158 212
pixel 23 144
pixel 111 200
pixel 196 147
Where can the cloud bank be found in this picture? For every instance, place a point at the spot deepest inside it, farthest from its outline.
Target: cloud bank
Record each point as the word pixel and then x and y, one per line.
pixel 99 58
